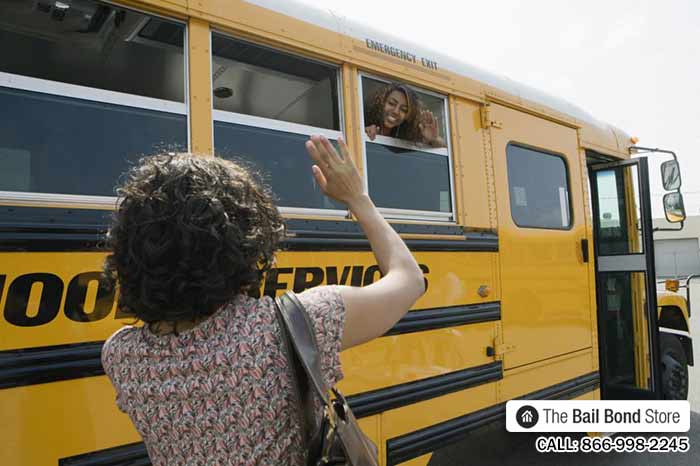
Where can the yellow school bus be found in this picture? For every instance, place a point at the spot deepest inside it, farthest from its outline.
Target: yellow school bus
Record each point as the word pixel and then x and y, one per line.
pixel 531 223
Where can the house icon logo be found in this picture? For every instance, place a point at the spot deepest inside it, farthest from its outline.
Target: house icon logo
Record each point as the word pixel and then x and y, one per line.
pixel 527 416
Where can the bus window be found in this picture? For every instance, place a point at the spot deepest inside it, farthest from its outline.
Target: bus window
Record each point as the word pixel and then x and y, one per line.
pixel 616 229
pixel 104 86
pixel 408 140
pixel 266 105
pixel 539 189
pixel 399 111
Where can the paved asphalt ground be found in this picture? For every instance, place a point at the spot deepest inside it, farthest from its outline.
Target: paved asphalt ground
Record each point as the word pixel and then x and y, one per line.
pixel 497 447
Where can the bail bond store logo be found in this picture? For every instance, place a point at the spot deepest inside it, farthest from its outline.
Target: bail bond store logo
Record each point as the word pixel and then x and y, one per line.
pixel 597 416
pixel 527 416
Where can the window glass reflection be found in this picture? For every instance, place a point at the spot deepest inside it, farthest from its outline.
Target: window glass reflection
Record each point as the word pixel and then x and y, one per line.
pixel 538 188
pixel 393 183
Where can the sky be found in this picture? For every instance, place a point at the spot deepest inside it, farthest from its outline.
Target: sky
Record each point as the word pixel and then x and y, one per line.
pixel 633 64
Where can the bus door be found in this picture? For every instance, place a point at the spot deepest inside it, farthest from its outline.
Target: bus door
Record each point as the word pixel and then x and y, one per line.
pixel 545 287
pixel 625 279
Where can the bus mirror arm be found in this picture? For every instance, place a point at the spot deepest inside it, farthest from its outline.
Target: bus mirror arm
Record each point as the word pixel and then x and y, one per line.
pixel 680 224
pixel 647 150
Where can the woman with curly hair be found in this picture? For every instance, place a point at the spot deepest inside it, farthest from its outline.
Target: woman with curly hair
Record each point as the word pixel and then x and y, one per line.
pixel 397 111
pixel 204 379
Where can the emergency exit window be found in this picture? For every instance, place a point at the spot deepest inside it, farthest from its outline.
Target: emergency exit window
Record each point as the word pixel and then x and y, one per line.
pixel 539 188
pixel 406 135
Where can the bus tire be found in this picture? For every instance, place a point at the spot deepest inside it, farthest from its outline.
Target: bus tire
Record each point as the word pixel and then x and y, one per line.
pixel 674 368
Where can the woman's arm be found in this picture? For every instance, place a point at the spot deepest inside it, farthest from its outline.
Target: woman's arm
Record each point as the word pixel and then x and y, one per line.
pixel 371 310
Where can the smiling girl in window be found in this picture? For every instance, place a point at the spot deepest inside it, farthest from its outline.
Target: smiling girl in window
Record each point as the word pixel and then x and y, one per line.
pixel 397 111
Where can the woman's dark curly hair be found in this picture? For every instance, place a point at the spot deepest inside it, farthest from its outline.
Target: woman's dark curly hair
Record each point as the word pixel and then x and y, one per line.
pixel 190 233
pixel 409 129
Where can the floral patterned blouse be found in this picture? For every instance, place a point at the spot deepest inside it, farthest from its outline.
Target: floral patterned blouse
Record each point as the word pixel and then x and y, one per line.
pixel 220 393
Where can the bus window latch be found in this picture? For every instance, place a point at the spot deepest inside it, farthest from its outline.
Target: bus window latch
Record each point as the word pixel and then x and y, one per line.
pixel 499 350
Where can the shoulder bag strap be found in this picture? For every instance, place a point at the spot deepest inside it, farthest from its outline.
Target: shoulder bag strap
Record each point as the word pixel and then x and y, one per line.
pixel 358 449
pixel 303 340
pixel 300 382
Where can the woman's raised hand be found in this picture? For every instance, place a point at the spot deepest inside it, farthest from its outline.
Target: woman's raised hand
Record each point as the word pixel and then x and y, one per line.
pixel 337 176
pixel 372 131
pixel 428 126
pixel 430 131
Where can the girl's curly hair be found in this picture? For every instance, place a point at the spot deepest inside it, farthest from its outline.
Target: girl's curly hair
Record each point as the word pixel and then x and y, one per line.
pixel 190 233
pixel 409 129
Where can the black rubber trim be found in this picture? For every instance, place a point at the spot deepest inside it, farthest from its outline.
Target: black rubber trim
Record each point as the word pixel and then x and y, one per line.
pixel 415 444
pixel 52 229
pixel 334 236
pixel 349 229
pixel 49 364
pixel 377 401
pixel 133 454
pixel 343 244
pixel 429 439
pixel 63 362
pixel 428 319
pixel 60 229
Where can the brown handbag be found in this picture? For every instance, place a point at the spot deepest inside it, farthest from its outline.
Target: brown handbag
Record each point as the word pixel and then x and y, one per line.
pixel 337 439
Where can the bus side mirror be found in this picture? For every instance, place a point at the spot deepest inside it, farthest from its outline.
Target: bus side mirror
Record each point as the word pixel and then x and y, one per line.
pixel 671 175
pixel 674 207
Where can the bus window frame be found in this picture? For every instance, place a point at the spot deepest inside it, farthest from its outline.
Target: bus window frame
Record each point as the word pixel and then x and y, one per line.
pixel 411 214
pixel 280 125
pixel 563 157
pixel 94 94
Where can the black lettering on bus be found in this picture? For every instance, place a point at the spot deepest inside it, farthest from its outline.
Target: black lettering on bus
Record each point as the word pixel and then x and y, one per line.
pixel 17 301
pixel 332 275
pixel 426 271
pixel 16 305
pixel 370 275
pixel 76 296
pixel 272 283
pixel 307 277
pixel 356 277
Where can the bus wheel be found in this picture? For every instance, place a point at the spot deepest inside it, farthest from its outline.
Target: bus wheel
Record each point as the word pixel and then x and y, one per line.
pixel 674 368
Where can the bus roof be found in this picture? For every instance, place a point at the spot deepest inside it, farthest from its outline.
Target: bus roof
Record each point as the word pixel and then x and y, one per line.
pixel 526 95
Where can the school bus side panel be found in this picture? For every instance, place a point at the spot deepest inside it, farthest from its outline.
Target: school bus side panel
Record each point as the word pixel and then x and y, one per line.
pixel 53 302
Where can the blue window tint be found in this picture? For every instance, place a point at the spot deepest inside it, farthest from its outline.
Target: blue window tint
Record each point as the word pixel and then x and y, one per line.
pixel 280 160
pixel 51 144
pixel 408 179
